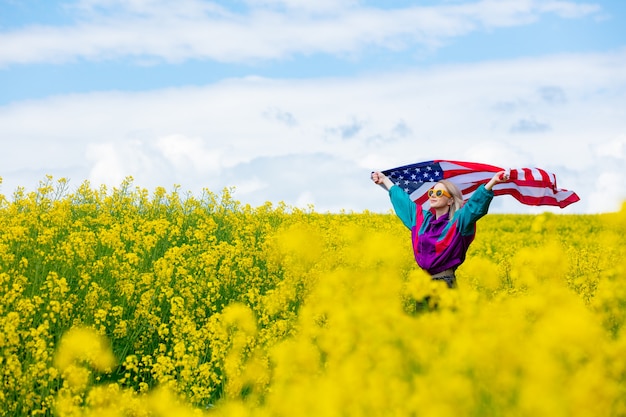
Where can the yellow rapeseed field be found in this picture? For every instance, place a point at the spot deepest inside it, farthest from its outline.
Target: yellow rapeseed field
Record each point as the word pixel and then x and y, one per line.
pixel 128 302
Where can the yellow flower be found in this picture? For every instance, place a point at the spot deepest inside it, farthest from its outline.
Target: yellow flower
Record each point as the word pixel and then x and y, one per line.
pixel 81 344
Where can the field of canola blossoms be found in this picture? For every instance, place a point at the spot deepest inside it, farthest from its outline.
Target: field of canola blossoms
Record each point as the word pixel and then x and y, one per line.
pixel 125 302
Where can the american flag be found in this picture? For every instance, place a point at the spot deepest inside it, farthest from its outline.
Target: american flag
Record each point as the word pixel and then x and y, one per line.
pixel 532 186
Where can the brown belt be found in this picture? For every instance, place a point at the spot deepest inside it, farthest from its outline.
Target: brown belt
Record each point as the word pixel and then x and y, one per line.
pixel 446 273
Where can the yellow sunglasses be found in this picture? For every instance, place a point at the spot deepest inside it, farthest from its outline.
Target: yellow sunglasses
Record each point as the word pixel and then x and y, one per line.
pixel 438 193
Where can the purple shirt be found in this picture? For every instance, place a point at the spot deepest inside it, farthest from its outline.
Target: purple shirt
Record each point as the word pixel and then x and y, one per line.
pixel 440 244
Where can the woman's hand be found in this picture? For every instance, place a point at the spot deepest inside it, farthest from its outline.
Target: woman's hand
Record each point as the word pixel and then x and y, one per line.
pixel 378 177
pixel 382 180
pixel 501 176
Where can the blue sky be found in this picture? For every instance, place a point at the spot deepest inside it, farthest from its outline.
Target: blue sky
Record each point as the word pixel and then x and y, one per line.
pixel 297 101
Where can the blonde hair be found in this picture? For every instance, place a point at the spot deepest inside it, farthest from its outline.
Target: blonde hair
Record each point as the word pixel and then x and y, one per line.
pixel 456 194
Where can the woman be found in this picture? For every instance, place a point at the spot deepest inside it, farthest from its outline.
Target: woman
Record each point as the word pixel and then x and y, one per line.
pixel 441 235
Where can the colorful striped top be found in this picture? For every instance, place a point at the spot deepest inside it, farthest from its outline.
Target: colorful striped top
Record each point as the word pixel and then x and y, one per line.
pixel 440 244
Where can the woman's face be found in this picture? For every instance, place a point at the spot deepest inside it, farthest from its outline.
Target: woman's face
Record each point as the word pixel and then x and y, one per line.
pixel 440 202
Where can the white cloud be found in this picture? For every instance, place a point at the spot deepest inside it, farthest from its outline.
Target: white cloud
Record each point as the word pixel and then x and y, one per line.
pixel 248 186
pixel 305 5
pixel 305 199
pixel 107 168
pixel 164 161
pixel 503 154
pixel 103 9
pixel 615 148
pixel 608 182
pixel 569 9
pixel 189 153
pixel 318 139
pixel 195 29
pixel 112 162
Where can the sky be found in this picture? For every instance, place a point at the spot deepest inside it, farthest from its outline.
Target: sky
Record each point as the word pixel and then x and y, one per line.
pixel 298 101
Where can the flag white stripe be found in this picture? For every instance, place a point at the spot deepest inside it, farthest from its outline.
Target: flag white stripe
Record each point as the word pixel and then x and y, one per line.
pixel 472 177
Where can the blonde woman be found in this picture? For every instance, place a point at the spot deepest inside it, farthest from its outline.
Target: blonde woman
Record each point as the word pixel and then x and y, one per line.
pixel 441 235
